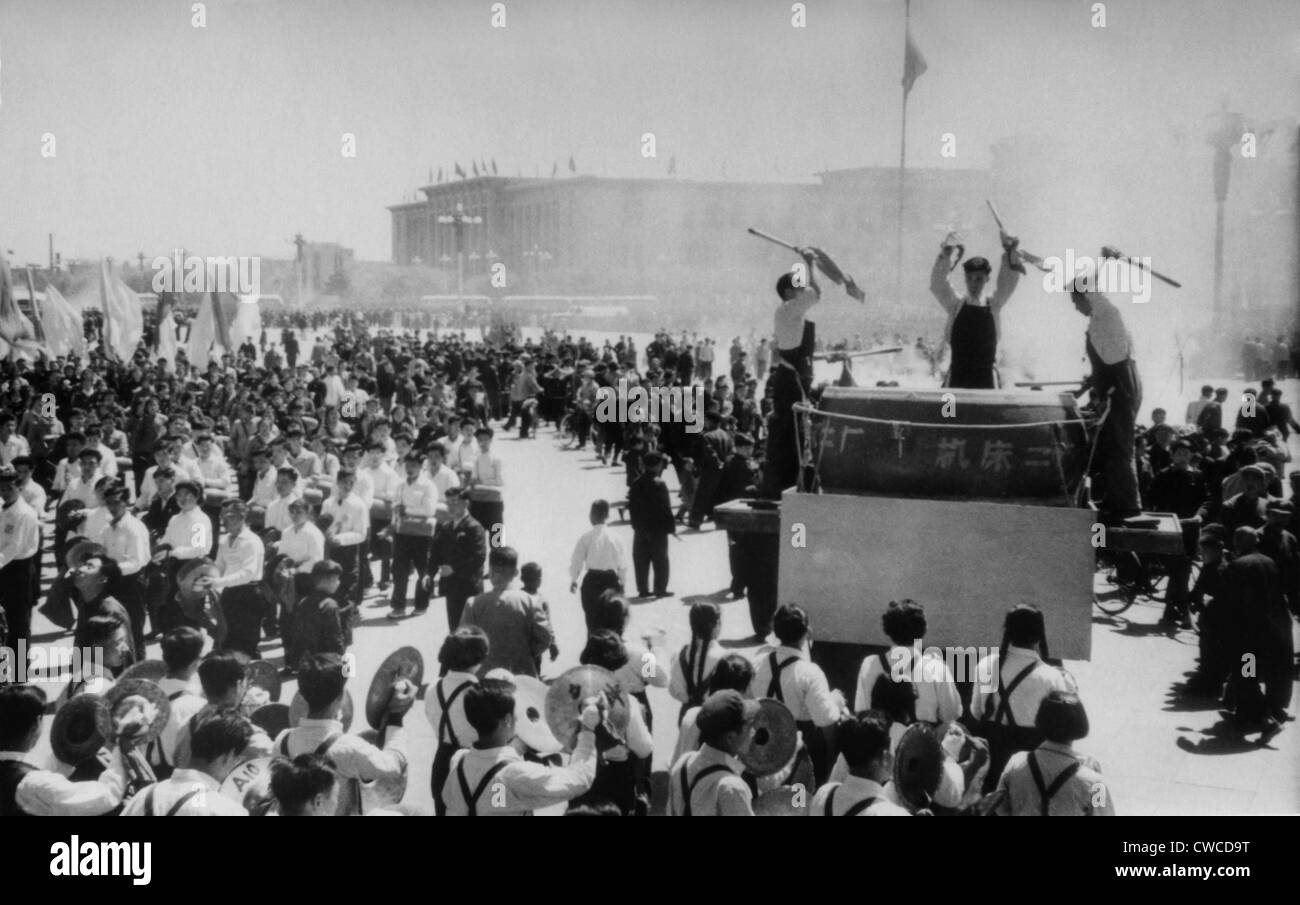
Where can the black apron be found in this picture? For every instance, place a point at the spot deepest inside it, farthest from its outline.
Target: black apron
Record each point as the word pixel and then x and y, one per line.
pixel 974 343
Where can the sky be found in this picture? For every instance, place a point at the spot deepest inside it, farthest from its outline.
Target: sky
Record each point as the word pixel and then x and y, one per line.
pixel 226 139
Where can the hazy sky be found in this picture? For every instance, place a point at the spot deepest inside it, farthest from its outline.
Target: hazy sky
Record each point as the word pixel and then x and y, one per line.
pixel 226 139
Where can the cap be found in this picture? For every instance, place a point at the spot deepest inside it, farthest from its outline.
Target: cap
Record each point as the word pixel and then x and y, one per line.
pixel 974 265
pixel 192 486
pixel 725 711
pixel 7 473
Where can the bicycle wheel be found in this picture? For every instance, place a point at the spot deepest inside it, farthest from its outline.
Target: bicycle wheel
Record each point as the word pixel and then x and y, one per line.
pixel 566 432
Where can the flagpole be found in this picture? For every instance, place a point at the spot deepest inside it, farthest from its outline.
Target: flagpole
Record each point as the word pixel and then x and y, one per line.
pixel 902 157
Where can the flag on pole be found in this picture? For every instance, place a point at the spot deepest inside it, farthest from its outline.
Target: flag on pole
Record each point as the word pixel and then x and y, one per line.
pixel 65 333
pixel 494 166
pixel 167 346
pixel 123 319
pixel 19 338
pixel 38 329
pixel 913 63
pixel 460 172
pixel 474 164
pixel 555 168
pixel 209 329
pixel 246 322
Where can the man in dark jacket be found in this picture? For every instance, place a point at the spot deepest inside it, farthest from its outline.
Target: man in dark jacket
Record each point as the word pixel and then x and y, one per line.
pixel 459 554
pixel 320 625
pixel 1261 633
pixel 652 521
pixel 714 449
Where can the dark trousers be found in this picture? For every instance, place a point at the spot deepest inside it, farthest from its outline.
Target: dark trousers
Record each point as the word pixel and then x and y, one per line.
pixel 650 549
pixel 489 514
pixel 1116 451
pixel 243 609
pixel 17 599
pixel 458 592
pixel 515 405
pixel 595 583
pixel 410 553
pixel 130 593
pixel 441 770
pixel 381 548
pixel 706 491
pixel 781 468
pixel 349 558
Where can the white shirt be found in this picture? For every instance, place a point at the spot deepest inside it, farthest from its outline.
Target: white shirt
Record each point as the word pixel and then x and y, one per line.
pixel 45 793
pixel 189 533
pixel 461 454
pixel 15 446
pixel 790 317
pixel 1028 695
pixel 34 494
pixel 599 550
pixel 1107 332
pixel 215 471
pixel 937 700
pixel 209 802
pixel 83 490
pixel 524 786
pixel 418 497
pixel 444 479
pixel 240 559
pixel 363 488
pixel 351 519
pixel 20 535
pixel 126 541
pixel 383 481
pixel 264 492
pixel 149 489
pixel 186 700
pixel 277 514
pixel 804 688
pixel 305 546
pixel 851 791
pixel 713 652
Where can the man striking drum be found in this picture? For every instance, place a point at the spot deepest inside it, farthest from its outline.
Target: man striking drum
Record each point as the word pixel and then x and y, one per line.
pixel 791 376
pixel 974 322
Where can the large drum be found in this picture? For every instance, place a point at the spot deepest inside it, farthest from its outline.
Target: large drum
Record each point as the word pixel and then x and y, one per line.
pixel 1030 447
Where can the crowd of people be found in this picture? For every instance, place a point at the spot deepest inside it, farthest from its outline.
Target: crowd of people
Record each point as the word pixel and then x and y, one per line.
pixel 264 495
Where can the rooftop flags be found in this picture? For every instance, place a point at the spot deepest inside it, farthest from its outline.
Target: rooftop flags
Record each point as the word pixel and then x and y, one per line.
pixel 65 333
pixel 38 328
pixel 494 166
pixel 460 172
pixel 474 164
pixel 208 329
pixel 15 329
pixel 439 175
pixel 123 319
pixel 166 348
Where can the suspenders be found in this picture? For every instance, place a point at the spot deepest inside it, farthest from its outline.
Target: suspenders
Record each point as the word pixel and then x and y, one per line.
pixel 853 811
pixel 1004 695
pixel 1045 792
pixel 444 722
pixel 171 812
pixel 322 750
pixel 472 798
pixel 693 670
pixel 689 785
pixel 774 687
pixel 154 753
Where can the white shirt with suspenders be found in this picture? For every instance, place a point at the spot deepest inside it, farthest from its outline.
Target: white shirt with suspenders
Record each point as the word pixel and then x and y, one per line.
pixel 1026 680
pixel 498 782
pixel 787 675
pixel 444 705
pixel 185 703
pixel 189 793
pixel 355 759
pixel 707 783
pixel 856 796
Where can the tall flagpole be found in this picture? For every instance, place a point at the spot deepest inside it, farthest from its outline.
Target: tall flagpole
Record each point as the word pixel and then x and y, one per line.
pixel 902 154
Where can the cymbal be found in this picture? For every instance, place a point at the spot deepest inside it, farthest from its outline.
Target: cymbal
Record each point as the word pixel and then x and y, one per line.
pixel 191 572
pixel 530 716
pixel 249 784
pixel 774 739
pixel 74 734
pixel 386 791
pixel 572 687
pixel 403 663
pixel 271 718
pixel 133 694
pixel 262 674
pixel 918 766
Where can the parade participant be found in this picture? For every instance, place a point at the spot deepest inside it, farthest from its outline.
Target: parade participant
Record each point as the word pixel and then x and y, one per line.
pixel 302 544
pixel 413 509
pixel 321 681
pixel 652 519
pixel 164 504
pixel 461 656
pixel 695 662
pixel 620 764
pixel 20 541
pixel 1260 629
pixel 712 451
pixel 28 488
pixel 486 483
pixel 934 691
pixel 443 477
pixel 1007 717
pixel 240 559
pixel 126 540
pixel 974 322
pixel 733 672
pixel 28 790
pixel 278 517
pixel 319 625
pixel 216 747
pixel 865 743
pixel 492 779
pixel 1280 545
pixel 599 559
pixel 459 554
pixel 223 678
pixel 189 533
pixel 788 674
pixel 1052 780
pixel 518 630
pixel 791 376
pixel 350 520
pixel 306 786
pixel 1179 489
pixel 1246 508
pixel 182 649
pixel 81 486
pixel 1115 384
pixel 1197 406
pixel 384 482
pixel 707 782
pixel 530 577
pixel 1213 636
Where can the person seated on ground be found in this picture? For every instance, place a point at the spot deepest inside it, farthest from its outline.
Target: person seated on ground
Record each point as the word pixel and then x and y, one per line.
pixel 1053 780
pixel 306 786
pixel 492 778
pixel 866 746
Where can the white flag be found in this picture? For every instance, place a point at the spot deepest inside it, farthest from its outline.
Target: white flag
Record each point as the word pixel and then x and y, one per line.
pixel 65 333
